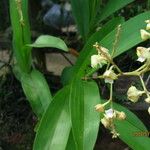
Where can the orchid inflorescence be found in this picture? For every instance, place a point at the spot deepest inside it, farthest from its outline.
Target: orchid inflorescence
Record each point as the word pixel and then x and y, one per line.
pixel 112 73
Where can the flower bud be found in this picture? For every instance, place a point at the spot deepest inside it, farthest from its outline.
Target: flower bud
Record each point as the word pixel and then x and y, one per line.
pixel 120 115
pixel 97 60
pixel 106 122
pixel 133 94
pixel 147 100
pixel 100 107
pixel 144 34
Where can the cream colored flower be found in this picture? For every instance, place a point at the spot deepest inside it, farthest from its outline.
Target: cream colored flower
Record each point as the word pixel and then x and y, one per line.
pixel 148 24
pixel 144 34
pixel 149 110
pixel 143 53
pixel 109 76
pixel 105 50
pixel 147 100
pixel 97 60
pixel 110 113
pixel 100 107
pixel 120 115
pixel 106 122
pixel 102 51
pixel 105 53
pixel 133 94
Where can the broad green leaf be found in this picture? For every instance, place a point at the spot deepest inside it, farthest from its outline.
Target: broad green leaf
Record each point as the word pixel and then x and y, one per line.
pixel 71 143
pixel 37 91
pixel 85 120
pixel 111 7
pixel 129 37
pixel 85 16
pixel 66 75
pixel 130 34
pixel 91 117
pixel 128 129
pixel 82 16
pixel 77 112
pixel 128 135
pixel 21 35
pixel 49 41
pixel 55 126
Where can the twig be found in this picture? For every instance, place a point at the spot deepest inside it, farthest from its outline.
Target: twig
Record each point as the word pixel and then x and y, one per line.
pixel 67 58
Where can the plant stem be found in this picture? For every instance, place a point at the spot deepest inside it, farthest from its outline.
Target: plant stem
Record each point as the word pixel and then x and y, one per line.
pixel 144 87
pixel 111 95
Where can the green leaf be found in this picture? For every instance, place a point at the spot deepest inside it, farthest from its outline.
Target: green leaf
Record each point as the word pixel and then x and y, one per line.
pixel 37 91
pixel 77 112
pixel 21 35
pixel 111 7
pixel 130 34
pixel 128 135
pixel 91 117
pixel 49 41
pixel 129 128
pixel 129 37
pixel 85 120
pixel 66 75
pixel 71 143
pixel 85 16
pixel 55 126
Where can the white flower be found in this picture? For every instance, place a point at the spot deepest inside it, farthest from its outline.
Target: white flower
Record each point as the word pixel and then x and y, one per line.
pixel 149 110
pixel 109 114
pixel 147 100
pixel 97 60
pixel 141 59
pixel 143 53
pixel 133 94
pixel 148 26
pixel 144 34
pixel 106 122
pixel 109 76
